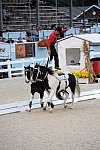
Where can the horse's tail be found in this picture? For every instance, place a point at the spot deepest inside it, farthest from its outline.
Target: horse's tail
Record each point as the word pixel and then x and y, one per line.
pixel 73 84
pixel 58 93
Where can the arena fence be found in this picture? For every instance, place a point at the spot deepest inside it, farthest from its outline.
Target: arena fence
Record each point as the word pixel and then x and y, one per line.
pixel 21 106
pixel 16 68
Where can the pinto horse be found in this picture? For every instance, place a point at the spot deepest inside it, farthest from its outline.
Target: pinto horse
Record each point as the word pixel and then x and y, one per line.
pixel 39 83
pixel 58 85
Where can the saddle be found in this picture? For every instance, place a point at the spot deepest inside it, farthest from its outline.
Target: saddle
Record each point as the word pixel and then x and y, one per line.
pixel 61 75
pixel 60 72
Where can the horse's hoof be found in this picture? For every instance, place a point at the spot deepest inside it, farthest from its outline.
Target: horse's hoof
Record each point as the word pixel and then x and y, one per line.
pixel 44 108
pixel 30 104
pixel 28 110
pixel 51 110
pixel 70 107
pixel 42 104
pixel 65 106
pixel 49 104
pixel 52 105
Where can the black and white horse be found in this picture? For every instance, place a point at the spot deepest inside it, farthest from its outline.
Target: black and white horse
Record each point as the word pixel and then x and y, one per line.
pixel 39 82
pixel 42 76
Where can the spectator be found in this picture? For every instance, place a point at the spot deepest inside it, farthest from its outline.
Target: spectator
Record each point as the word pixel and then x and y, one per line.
pixel 28 33
pixel 53 27
pixel 20 40
pixel 5 14
pixel 29 39
pixel 24 40
pixel 35 34
pixel 1 33
pixel 10 40
pixel 0 39
pixel 3 40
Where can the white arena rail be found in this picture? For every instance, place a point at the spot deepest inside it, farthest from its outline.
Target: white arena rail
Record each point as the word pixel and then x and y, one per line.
pixel 16 71
pixel 21 106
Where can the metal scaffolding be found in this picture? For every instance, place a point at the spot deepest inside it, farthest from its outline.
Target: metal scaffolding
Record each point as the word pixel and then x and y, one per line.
pixel 1 18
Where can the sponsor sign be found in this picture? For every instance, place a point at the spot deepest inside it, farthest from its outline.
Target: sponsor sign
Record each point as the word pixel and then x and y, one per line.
pixel 5 50
pixel 25 50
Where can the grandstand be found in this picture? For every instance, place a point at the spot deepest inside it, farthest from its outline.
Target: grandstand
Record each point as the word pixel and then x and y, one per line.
pixel 22 13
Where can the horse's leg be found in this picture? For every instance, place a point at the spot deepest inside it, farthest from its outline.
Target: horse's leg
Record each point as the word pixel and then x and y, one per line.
pixel 67 95
pixel 41 99
pixel 48 93
pixel 72 96
pixel 30 102
pixel 49 102
pixel 77 87
pixel 72 100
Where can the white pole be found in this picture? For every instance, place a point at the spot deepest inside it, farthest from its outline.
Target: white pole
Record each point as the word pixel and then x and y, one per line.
pixel 22 66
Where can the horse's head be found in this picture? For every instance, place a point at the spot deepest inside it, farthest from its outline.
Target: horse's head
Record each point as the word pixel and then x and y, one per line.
pixel 39 73
pixel 28 73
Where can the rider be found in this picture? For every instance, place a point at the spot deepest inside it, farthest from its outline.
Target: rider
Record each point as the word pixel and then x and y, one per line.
pixel 51 45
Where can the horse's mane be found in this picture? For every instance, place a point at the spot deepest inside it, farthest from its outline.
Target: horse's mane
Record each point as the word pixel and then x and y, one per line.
pixel 49 70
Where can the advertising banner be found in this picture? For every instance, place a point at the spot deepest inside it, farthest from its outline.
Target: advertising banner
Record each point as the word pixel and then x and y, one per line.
pixel 5 50
pixel 25 50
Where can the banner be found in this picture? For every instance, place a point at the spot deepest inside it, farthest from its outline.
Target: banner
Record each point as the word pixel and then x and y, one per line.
pixel 20 50
pixel 5 50
pixel 25 50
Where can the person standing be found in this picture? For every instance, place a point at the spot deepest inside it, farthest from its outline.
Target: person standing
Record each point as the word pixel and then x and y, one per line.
pixel 51 45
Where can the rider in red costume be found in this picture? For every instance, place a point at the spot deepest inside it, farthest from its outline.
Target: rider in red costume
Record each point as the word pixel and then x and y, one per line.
pixel 51 45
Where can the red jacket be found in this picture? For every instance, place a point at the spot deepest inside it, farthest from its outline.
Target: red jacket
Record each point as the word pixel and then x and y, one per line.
pixel 53 37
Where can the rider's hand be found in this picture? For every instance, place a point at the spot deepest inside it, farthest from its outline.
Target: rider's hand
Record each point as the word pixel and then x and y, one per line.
pixel 49 52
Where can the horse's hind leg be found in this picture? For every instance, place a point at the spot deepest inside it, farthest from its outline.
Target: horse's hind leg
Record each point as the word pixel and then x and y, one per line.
pixel 72 96
pixel 67 95
pixel 72 99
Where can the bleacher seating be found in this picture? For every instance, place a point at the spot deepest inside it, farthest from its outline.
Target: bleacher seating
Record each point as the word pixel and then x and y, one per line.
pixel 22 15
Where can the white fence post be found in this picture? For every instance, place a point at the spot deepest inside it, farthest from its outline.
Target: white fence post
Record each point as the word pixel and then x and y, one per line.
pixel 23 66
pixel 9 68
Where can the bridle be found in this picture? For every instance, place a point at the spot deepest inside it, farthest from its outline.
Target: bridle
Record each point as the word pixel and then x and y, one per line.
pixel 30 74
pixel 37 76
